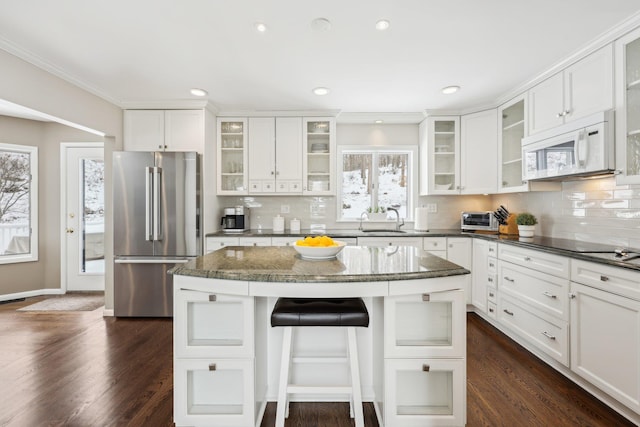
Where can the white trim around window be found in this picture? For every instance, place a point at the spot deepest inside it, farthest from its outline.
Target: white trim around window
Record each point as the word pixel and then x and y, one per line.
pixel 32 255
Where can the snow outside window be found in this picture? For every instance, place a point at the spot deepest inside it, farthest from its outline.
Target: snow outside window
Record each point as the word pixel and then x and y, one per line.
pixel 18 203
pixel 375 177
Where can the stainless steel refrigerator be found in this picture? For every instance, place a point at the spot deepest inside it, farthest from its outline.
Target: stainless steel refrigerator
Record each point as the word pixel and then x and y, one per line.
pixel 156 225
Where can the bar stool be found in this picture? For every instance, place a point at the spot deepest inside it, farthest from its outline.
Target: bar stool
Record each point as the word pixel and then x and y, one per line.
pixel 341 312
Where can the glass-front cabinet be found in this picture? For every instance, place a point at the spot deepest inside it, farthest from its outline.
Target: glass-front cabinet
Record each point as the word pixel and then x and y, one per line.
pixel 319 151
pixel 232 156
pixel 440 155
pixel 628 108
pixel 511 120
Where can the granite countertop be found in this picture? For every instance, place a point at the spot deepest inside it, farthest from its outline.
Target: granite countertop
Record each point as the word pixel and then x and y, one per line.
pixel 352 264
pixel 341 233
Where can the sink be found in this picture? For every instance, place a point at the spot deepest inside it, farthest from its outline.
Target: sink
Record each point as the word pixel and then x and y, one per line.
pixel 382 230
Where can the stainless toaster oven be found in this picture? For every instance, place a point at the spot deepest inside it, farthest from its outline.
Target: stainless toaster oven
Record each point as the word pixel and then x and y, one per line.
pixel 478 221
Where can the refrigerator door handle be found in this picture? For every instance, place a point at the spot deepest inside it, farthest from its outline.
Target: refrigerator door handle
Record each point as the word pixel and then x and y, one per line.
pixel 148 221
pixel 157 260
pixel 157 204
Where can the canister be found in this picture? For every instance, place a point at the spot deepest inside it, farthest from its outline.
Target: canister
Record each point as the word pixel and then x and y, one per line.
pixel 294 225
pixel 278 224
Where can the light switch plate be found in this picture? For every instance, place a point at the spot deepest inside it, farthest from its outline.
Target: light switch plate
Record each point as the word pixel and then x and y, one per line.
pixel 432 207
pixel 284 209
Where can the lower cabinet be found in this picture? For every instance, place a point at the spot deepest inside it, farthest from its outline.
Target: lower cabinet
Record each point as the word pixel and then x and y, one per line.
pixel 424 392
pixel 605 342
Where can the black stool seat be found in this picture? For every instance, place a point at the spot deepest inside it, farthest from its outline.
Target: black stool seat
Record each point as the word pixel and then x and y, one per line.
pixel 320 312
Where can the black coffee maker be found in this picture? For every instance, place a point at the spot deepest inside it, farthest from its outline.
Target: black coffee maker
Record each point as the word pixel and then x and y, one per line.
pixel 235 219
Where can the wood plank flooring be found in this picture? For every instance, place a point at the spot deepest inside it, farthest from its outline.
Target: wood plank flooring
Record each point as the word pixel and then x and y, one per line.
pixel 80 369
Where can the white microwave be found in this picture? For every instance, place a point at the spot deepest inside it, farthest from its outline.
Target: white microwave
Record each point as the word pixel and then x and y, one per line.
pixel 580 148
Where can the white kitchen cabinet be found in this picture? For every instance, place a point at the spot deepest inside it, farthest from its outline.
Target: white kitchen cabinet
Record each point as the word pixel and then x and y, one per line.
pixel 581 89
pixel 285 241
pixel 164 130
pixel 556 265
pixel 459 252
pixel 390 241
pixel 275 155
pixel 254 241
pixel 605 342
pixel 628 108
pixel 319 155
pixel 232 156
pixel 512 128
pixel 482 277
pixel 215 243
pixel 424 392
pixel 440 155
pixel 478 152
pixel 435 245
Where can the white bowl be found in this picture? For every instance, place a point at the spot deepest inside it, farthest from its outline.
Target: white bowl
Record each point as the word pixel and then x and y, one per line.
pixel 442 186
pixel 320 252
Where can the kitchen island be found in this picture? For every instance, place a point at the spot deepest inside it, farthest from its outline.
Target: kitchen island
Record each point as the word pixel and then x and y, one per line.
pixel 226 355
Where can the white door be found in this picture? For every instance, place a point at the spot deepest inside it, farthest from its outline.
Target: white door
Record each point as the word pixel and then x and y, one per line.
pixel 83 217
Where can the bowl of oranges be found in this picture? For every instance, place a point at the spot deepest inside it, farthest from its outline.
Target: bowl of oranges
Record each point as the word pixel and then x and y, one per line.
pixel 318 247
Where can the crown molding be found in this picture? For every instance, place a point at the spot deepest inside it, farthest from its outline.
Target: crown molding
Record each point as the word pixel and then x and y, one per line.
pixel 279 113
pixel 170 104
pixel 393 118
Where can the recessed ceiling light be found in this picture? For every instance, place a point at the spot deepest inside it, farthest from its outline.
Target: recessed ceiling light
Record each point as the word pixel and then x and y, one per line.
pixel 378 121
pixel 321 24
pixel 382 25
pixel 199 92
pixel 321 91
pixel 450 89
pixel 260 27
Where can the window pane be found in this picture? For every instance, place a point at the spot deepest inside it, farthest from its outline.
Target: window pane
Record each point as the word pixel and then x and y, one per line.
pixel 93 238
pixel 356 184
pixel 392 181
pixel 15 209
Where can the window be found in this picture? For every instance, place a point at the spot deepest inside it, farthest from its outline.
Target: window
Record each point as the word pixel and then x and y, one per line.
pixel 376 177
pixel 18 203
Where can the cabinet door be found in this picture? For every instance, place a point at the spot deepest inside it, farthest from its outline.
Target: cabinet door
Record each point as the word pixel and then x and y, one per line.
pixel 289 149
pixel 479 274
pixel 424 392
pixel 232 156
pixel 459 252
pixel 319 151
pixel 605 342
pixel 589 85
pixel 215 243
pixel 442 151
pixel 511 130
pixel 262 152
pixel 143 130
pixel 479 152
pixel 628 108
pixel 214 392
pixel 546 104
pixel 184 130
pixel 390 241
pixel 427 325
pixel 232 316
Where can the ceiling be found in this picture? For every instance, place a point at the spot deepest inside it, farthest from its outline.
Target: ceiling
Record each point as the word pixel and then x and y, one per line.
pixel 156 50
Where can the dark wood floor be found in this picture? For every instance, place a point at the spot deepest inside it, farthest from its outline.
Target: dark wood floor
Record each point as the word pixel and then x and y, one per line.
pixel 80 369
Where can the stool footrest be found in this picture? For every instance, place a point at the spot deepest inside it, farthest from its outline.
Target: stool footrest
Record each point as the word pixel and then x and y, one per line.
pixel 302 389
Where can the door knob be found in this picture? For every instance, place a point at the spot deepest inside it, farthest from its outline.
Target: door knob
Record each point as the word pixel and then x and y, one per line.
pixel 70 230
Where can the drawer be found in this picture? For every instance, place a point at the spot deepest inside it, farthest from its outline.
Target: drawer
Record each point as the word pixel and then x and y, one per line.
pixel 492 265
pixel 611 279
pixel 492 294
pixel 492 310
pixel 434 244
pixel 255 241
pixel 543 291
pixel 536 260
pixel 215 243
pixel 492 279
pixel 284 241
pixel 492 249
pixel 548 334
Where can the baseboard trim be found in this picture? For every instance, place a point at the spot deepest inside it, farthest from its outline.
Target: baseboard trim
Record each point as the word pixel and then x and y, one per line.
pixel 107 312
pixel 30 294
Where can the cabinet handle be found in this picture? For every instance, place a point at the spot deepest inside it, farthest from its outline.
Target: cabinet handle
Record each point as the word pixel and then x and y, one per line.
pixel 548 335
pixel 425 368
pixel 213 298
pixel 559 115
pixel 212 366
pixel 549 294
pixel 426 297
pixel 509 279
pixel 510 313
pixel 490 279
pixel 604 278
pixel 572 295
pixel 491 294
pixel 491 264
pixel 491 250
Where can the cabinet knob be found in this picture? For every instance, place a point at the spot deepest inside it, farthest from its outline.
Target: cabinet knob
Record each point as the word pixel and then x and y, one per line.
pixel 491 310
pixel 572 295
pixel 527 258
pixel 426 297
pixel 491 294
pixel 212 366
pixel 604 278
pixel 425 368
pixel 213 298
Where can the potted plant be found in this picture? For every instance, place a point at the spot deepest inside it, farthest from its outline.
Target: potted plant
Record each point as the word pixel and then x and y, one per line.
pixel 377 213
pixel 526 224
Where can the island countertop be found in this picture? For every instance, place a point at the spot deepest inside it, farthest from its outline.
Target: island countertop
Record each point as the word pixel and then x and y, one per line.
pixel 352 264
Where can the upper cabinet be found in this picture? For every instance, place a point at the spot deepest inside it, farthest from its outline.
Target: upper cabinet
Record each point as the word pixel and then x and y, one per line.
pixel 275 155
pixel 319 155
pixel 512 128
pixel 454 153
pixel 628 108
pixel 164 130
pixel 440 155
pixel 232 156
pixel 583 88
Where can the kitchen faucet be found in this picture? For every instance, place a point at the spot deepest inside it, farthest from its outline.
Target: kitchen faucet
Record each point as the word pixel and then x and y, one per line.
pixel 361 215
pixel 398 225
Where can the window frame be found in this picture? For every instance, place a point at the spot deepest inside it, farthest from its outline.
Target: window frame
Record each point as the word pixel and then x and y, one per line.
pixel 32 151
pixel 412 173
